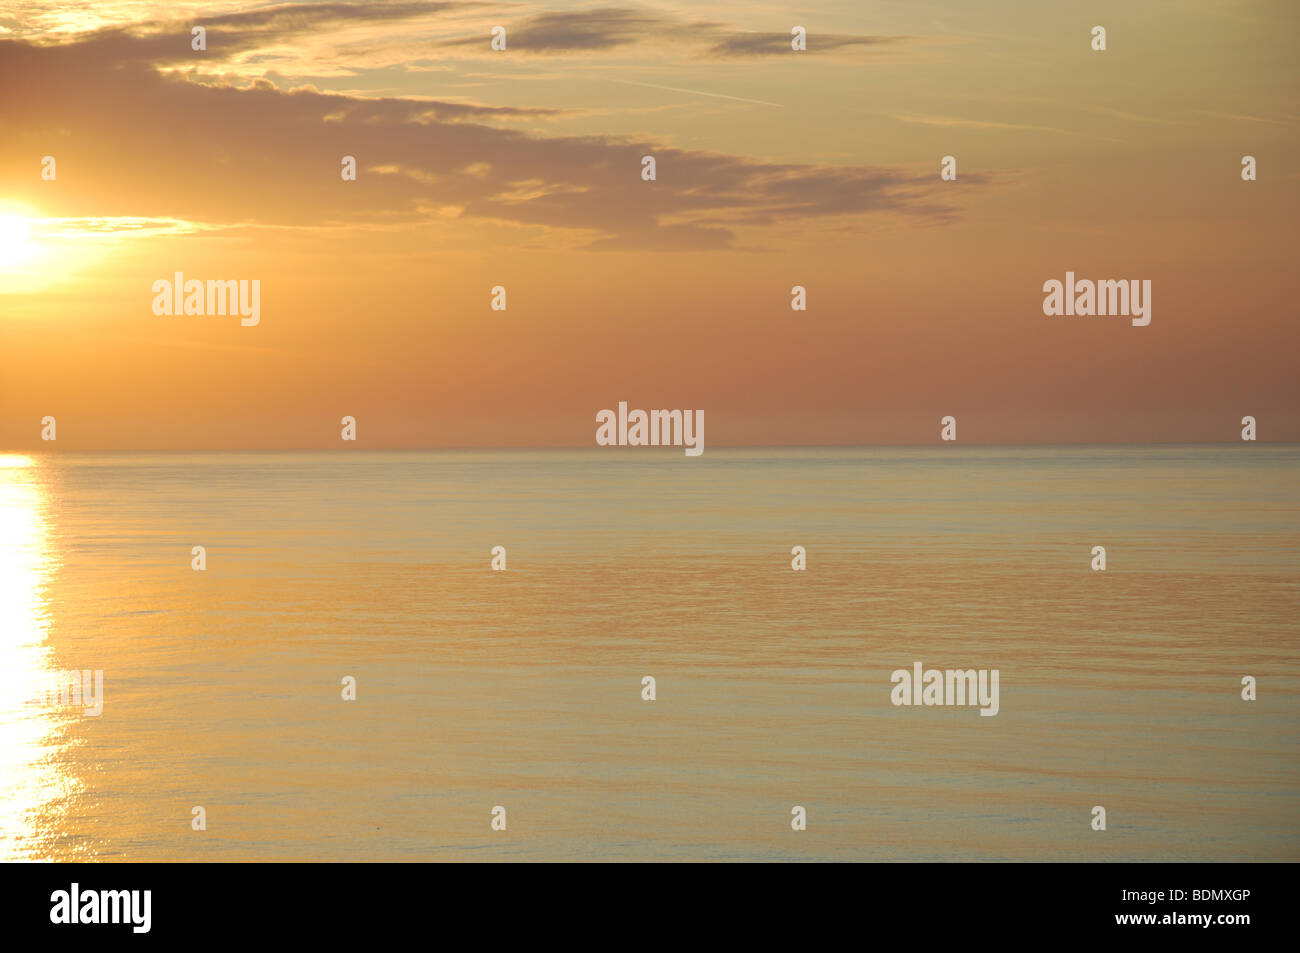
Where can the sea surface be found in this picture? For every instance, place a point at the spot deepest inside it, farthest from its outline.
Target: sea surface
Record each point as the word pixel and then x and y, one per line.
pixel 523 689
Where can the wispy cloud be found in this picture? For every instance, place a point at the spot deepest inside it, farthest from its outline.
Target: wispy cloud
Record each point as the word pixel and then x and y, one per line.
pixel 964 123
pixel 1240 117
pixel 98 228
pixel 696 92
pixel 1135 117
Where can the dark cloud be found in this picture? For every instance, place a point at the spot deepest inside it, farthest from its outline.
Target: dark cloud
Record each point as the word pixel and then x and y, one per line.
pixel 762 44
pixel 607 28
pixel 587 30
pixel 132 141
pixel 579 30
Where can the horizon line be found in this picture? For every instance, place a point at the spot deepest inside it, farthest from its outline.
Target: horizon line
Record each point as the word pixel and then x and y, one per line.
pixel 553 449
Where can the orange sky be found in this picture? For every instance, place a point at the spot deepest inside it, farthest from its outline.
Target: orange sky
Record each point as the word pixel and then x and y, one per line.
pixel 775 168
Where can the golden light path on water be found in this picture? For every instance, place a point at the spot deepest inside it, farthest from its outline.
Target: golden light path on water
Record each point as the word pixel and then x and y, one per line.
pixel 31 788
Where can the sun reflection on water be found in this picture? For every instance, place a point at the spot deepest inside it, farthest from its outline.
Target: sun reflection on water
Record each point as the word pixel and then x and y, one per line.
pixel 32 786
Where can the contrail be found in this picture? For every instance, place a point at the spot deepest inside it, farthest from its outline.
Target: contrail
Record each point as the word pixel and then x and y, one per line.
pixel 696 92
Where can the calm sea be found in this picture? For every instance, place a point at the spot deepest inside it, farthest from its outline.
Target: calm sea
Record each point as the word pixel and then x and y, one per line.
pixel 522 688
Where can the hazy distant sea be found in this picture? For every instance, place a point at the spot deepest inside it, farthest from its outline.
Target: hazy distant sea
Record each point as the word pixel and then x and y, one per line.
pixel 523 688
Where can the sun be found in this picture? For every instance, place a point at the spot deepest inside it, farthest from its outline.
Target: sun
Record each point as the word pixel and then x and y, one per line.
pixel 16 245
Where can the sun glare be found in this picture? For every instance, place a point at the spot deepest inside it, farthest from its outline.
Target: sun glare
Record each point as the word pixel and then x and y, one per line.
pixel 15 240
